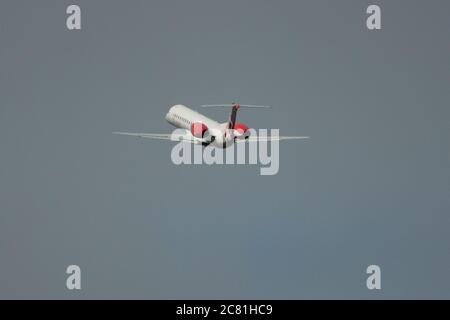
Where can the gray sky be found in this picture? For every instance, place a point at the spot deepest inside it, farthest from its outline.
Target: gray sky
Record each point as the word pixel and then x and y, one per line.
pixel 370 187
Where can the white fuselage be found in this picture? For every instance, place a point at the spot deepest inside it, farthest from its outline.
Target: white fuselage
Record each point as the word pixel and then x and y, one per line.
pixel 183 117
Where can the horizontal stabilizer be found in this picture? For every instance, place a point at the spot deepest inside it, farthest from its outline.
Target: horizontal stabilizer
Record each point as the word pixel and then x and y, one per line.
pixel 232 105
pixel 271 138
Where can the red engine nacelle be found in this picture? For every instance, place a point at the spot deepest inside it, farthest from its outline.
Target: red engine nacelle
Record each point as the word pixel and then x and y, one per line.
pixel 240 128
pixel 198 129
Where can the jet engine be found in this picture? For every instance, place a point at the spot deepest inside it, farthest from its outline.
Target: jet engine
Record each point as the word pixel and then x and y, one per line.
pixel 199 130
pixel 240 130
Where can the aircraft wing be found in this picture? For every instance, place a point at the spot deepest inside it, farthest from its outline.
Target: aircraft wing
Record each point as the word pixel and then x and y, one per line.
pixel 270 138
pixel 161 136
pixel 146 135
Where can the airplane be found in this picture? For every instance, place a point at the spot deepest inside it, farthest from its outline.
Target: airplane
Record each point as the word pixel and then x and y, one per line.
pixel 199 129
